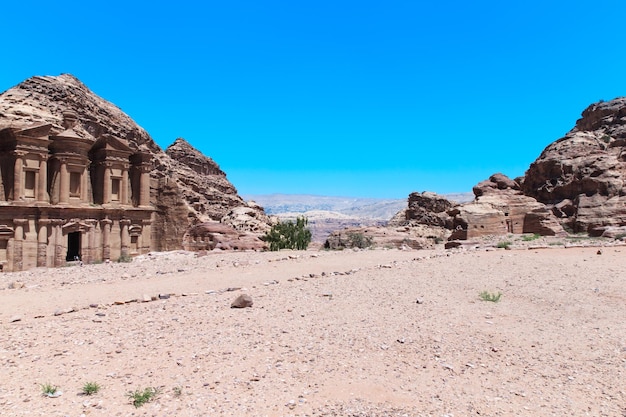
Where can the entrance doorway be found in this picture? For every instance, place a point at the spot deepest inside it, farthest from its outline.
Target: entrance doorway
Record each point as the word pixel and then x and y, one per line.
pixel 73 246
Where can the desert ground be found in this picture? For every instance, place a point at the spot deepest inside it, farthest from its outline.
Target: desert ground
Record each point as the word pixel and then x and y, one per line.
pixel 381 332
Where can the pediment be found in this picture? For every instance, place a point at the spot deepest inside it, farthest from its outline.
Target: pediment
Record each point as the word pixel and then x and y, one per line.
pixel 111 143
pixel 41 130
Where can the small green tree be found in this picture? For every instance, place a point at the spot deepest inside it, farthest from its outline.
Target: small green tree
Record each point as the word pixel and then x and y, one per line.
pixel 359 240
pixel 289 235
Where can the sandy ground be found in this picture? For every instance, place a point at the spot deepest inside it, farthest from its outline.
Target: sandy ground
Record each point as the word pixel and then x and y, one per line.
pixel 366 333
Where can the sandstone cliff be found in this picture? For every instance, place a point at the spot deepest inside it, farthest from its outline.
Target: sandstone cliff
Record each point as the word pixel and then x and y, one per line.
pixel 187 188
pixel 581 176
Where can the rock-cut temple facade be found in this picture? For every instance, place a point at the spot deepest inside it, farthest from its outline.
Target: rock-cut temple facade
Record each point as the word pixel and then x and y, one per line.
pixel 65 198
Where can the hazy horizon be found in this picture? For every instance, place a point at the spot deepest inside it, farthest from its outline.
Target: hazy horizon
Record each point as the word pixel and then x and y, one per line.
pixel 336 98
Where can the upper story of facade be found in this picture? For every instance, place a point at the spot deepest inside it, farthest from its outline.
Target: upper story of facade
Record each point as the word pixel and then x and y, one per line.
pixel 37 168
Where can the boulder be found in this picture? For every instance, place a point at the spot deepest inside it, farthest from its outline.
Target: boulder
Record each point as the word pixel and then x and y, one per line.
pixel 243 301
pixel 494 183
pixel 424 208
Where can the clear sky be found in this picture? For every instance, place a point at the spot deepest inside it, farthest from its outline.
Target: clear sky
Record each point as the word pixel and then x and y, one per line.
pixel 350 98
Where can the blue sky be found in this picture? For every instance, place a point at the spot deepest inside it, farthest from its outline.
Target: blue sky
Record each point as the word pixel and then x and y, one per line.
pixel 348 98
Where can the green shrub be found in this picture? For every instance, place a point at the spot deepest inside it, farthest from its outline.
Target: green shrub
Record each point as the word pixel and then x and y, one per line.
pixel 125 258
pixel 139 397
pixel 49 389
pixel 289 235
pixel 487 296
pixel 528 238
pixel 359 240
pixel 91 388
pixel 504 244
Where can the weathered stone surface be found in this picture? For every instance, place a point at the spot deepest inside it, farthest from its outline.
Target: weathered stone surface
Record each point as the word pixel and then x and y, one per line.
pixel 208 194
pixel 213 235
pixel 586 168
pixel 596 212
pixel 249 218
pixel 429 209
pixel 418 236
pixel 243 301
pixel 494 183
pixel 498 211
pixel 613 232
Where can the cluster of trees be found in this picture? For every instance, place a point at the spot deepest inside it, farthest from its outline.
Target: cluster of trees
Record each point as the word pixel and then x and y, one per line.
pixel 289 235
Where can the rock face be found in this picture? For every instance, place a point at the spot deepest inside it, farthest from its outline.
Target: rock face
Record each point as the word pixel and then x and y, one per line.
pixel 428 208
pixel 581 176
pixel 186 188
pixel 501 208
pixel 413 237
pixel 214 235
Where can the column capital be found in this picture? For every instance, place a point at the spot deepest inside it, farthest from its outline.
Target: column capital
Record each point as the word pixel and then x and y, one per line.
pixel 20 222
pixel 125 222
pixel 45 222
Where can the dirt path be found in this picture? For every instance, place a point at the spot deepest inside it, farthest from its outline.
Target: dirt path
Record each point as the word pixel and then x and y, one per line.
pixel 330 333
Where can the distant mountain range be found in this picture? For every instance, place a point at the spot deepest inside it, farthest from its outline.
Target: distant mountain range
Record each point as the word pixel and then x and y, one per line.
pixel 363 208
pixel 327 213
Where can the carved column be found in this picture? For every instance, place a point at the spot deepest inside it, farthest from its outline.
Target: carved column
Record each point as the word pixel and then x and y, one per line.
pixel 83 186
pixel 144 186
pixel 88 242
pixel 42 185
pixel 146 236
pixel 18 260
pixel 125 238
pixel 64 192
pixel 17 177
pixel 42 242
pixel 106 239
pixel 106 186
pixel 59 256
pixel 124 190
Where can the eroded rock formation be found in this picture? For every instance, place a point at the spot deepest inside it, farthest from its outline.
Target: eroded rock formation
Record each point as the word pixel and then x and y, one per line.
pixel 214 235
pixel 500 208
pixel 581 176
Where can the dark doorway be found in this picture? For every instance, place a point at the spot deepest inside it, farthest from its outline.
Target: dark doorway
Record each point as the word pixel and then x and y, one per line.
pixel 73 246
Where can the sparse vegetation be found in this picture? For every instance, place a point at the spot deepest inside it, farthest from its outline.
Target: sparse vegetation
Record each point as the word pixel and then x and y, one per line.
pixel 620 236
pixel 504 244
pixel 91 388
pixel 49 390
pixel 528 238
pixel 140 397
pixel 359 240
pixel 178 391
pixel 125 258
pixel 558 243
pixel 488 296
pixel 289 235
